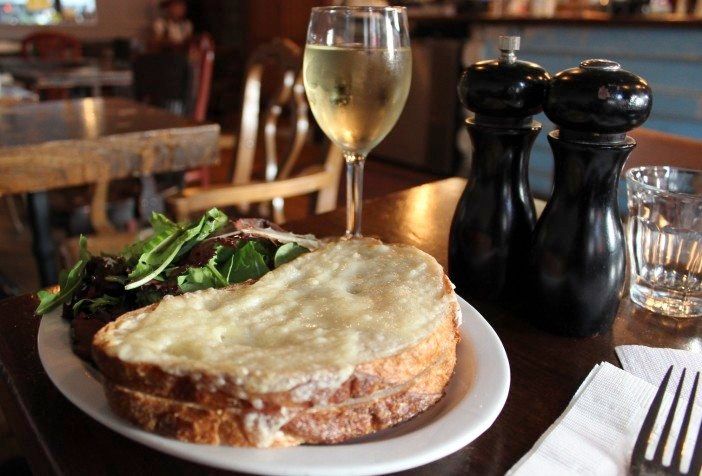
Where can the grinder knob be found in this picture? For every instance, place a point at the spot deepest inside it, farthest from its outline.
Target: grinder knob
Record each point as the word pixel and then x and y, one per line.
pixel 597 101
pixel 504 87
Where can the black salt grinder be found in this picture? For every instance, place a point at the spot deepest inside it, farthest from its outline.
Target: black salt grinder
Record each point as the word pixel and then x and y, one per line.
pixel 494 220
pixel 577 261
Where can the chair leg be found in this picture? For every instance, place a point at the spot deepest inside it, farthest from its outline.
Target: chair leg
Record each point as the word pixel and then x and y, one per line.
pixel 327 196
pixel 149 199
pixel 278 210
pixel 263 209
pixel 205 177
pixel 14 214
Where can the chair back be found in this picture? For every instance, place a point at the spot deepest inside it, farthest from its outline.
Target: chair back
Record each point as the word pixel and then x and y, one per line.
pixel 286 57
pixel 280 183
pixel 163 79
pixel 322 180
pixel 661 148
pixel 51 45
pixel 202 56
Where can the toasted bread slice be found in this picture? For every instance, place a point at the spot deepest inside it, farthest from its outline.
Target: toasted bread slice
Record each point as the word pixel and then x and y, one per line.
pixel 347 321
pixel 218 391
pixel 319 425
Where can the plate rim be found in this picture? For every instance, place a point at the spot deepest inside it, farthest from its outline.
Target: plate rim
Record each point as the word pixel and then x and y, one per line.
pixel 477 337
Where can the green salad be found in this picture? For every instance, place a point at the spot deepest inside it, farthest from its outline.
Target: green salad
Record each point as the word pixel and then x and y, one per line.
pixel 177 258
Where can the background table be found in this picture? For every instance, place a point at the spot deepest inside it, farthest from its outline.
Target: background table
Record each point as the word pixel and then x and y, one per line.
pixel 12 95
pixel 40 74
pixel 57 144
pixel 546 370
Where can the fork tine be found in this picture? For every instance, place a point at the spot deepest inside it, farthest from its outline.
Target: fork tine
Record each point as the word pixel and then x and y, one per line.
pixel 665 432
pixel 684 427
pixel 696 461
pixel 639 454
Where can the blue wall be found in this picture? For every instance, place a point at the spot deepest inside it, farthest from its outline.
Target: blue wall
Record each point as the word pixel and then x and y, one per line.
pixel 669 58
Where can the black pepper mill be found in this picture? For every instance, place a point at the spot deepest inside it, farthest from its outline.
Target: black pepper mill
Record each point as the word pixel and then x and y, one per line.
pixel 494 220
pixel 577 261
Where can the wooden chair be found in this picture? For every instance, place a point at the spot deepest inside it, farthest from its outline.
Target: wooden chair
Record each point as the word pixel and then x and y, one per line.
pixel 278 184
pixel 323 180
pixel 661 148
pixel 51 45
pixel 287 56
pixel 106 238
pixel 202 56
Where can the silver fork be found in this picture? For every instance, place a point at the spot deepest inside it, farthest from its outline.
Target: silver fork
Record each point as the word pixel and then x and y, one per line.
pixel 642 466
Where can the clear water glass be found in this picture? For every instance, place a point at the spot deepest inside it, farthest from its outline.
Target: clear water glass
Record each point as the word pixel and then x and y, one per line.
pixel 664 235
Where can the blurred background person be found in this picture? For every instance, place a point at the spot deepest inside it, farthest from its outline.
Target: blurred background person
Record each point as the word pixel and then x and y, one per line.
pixel 173 30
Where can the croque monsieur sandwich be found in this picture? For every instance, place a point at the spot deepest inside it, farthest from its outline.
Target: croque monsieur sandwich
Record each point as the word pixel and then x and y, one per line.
pixel 346 340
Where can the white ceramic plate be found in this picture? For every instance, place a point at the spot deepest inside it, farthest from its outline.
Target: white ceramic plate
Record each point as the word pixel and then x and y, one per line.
pixel 474 398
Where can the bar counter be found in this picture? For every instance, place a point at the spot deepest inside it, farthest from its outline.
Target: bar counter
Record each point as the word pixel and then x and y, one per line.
pixel 664 49
pixel 663 20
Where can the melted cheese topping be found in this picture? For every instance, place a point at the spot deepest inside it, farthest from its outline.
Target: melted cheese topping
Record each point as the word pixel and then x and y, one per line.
pixel 305 325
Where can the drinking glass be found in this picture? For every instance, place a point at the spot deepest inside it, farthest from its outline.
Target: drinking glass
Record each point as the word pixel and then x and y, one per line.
pixel 357 71
pixel 665 239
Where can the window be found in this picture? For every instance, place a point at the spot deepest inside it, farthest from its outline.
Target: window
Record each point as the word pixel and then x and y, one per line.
pixel 47 12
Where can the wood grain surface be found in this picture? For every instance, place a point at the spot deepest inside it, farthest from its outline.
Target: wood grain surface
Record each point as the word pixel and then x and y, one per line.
pixel 546 370
pixel 58 144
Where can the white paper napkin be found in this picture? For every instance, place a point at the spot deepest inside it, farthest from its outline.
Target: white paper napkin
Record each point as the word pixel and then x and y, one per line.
pixel 593 435
pixel 596 433
pixel 651 364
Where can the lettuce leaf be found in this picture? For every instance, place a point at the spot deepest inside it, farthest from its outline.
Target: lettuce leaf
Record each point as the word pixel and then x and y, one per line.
pixel 287 253
pixel 155 259
pixel 227 266
pixel 247 263
pixel 209 223
pixel 97 303
pixel 170 244
pixel 207 276
pixel 199 278
pixel 163 228
pixel 68 282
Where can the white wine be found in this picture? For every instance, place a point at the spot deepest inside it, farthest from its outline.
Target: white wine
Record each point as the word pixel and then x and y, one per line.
pixel 356 94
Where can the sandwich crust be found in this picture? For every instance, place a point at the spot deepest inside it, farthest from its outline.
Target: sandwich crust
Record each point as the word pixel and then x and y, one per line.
pixel 319 425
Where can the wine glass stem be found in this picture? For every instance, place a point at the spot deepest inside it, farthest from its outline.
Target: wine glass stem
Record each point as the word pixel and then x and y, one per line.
pixel 354 192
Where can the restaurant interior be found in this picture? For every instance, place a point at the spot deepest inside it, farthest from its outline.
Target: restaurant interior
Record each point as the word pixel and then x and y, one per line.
pixel 116 112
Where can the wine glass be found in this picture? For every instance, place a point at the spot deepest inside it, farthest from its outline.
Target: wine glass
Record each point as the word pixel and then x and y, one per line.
pixel 357 71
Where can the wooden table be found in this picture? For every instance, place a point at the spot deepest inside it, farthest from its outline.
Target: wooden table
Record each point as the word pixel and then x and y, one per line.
pixel 12 95
pixel 57 144
pixel 44 74
pixel 546 370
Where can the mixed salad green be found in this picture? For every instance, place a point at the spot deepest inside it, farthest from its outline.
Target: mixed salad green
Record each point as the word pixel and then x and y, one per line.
pixel 175 259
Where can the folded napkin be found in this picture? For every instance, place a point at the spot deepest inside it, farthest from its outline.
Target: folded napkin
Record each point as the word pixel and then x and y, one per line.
pixel 596 432
pixel 651 364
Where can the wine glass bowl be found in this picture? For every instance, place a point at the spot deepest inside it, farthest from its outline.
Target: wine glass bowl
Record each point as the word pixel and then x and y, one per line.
pixel 357 71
